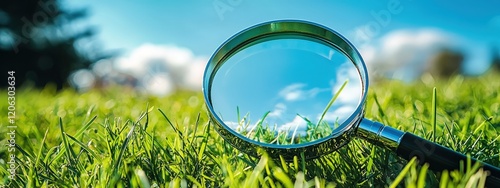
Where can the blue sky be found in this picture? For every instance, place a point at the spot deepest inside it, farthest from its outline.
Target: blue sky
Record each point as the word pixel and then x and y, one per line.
pixel 201 27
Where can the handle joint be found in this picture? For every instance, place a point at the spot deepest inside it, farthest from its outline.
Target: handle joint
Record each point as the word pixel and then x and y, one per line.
pixel 380 134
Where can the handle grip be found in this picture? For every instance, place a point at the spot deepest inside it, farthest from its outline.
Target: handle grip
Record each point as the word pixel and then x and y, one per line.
pixel 440 158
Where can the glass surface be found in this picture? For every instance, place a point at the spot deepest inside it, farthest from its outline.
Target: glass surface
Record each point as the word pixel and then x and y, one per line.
pixel 286 90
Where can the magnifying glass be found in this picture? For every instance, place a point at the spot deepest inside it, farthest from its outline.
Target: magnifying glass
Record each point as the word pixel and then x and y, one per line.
pixel 295 87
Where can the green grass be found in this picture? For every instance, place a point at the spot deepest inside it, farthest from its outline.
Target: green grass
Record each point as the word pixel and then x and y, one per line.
pixel 119 138
pixel 265 133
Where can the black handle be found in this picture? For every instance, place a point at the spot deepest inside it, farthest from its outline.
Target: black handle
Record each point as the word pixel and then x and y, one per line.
pixel 440 158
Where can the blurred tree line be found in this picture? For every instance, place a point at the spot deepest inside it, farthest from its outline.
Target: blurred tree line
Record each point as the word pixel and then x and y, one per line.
pixel 446 62
pixel 496 58
pixel 43 43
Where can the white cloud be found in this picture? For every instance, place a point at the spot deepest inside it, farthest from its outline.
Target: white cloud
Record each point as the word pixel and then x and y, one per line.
pixel 351 93
pixel 297 123
pixel 350 96
pixel 159 69
pixel 292 92
pixel 404 40
pixel 141 57
pixel 296 91
pixel 340 114
pixel 278 110
pixel 193 77
pixel 403 54
pixel 233 125
pixel 158 84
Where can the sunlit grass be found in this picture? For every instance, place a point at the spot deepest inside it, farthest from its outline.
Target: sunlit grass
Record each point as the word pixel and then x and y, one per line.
pixel 274 134
pixel 119 138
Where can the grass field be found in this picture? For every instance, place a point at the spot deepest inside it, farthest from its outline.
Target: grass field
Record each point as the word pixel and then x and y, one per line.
pixel 119 138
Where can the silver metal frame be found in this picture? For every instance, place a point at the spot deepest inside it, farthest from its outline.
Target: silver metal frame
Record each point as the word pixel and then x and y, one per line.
pixel 379 134
pixel 302 29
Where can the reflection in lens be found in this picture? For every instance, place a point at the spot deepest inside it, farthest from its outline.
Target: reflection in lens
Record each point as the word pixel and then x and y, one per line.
pixel 286 90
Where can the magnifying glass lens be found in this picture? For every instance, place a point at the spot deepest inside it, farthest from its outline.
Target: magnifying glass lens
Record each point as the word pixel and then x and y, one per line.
pixel 286 90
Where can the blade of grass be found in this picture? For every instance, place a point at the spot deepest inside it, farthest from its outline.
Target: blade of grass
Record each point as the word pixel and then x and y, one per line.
pixel 123 148
pixel 238 113
pixel 282 177
pixel 31 172
pixel 444 179
pixel 84 147
pixel 331 101
pixel 85 127
pixel 294 132
pixel 403 173
pixel 70 154
pixel 283 164
pixel 196 123
pixel 171 124
pixel 125 143
pixel 434 109
pixel 193 180
pixel 77 135
pixel 303 162
pixel 201 151
pixel 422 174
pixel 258 123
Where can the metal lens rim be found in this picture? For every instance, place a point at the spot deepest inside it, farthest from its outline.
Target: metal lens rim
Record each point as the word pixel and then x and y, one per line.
pixel 306 29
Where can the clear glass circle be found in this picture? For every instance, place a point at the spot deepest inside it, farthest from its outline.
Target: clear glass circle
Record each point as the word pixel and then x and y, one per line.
pixel 286 90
